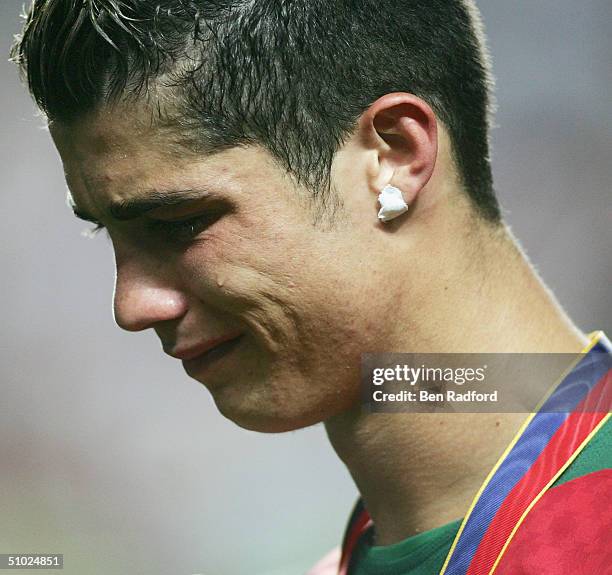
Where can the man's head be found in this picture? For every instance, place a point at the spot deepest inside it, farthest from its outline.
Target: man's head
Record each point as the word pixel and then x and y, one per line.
pixel 234 151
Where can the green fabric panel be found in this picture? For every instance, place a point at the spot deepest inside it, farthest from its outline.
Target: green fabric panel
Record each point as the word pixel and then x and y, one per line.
pixel 597 455
pixel 422 554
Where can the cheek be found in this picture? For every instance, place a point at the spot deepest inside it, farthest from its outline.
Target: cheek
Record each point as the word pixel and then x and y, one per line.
pixel 230 270
pixel 288 287
pixel 242 250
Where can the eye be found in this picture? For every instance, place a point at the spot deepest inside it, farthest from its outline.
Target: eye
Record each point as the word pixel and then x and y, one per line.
pixel 181 231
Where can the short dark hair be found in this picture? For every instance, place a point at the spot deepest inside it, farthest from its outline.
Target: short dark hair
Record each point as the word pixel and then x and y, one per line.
pixel 291 75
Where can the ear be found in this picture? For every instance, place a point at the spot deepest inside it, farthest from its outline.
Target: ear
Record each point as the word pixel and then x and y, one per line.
pixel 402 130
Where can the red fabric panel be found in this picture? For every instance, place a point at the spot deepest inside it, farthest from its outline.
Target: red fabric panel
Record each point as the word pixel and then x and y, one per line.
pixel 569 531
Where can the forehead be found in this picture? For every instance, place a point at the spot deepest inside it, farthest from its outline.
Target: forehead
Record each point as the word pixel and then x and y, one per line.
pixel 111 156
pixel 101 147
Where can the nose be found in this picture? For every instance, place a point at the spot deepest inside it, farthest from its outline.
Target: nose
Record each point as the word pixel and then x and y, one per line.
pixel 145 297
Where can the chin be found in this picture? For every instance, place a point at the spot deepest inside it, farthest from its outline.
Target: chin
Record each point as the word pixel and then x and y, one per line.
pixel 269 424
pixel 268 420
pixel 267 415
pixel 279 400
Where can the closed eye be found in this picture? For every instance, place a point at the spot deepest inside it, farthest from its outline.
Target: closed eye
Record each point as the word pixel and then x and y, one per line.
pixel 184 230
pixel 176 231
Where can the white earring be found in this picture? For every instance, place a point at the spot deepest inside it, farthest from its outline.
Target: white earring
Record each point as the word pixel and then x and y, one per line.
pixel 392 204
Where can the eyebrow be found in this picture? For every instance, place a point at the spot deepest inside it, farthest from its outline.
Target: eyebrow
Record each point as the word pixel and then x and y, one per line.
pixel 132 208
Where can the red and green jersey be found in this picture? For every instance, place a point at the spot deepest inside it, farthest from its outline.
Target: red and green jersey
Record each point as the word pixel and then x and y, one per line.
pixel 576 509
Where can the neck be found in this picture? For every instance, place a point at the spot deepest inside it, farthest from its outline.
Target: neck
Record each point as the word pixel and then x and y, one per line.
pixel 418 471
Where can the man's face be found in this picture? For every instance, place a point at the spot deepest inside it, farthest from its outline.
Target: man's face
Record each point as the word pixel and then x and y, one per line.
pixel 267 310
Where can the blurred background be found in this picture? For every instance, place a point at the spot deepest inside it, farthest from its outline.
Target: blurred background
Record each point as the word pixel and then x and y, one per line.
pixel 112 456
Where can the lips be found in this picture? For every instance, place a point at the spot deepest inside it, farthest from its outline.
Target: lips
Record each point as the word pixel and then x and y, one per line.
pixel 212 359
pixel 189 353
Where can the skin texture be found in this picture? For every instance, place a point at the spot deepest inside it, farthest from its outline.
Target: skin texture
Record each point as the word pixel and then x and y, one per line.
pixel 309 298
